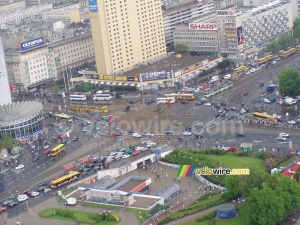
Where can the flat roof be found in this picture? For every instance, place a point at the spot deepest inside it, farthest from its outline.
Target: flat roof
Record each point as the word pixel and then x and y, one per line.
pixel 69 40
pixel 143 202
pixel 130 185
pixel 169 63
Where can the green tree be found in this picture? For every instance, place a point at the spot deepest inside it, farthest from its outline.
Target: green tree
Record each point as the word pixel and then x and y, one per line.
pixel 265 207
pixel 85 87
pixel 296 23
pixel 6 141
pixel 297 174
pixel 272 46
pixel 285 40
pixel 297 32
pixel 254 180
pixel 224 64
pixel 181 48
pixel 233 185
pixel 289 81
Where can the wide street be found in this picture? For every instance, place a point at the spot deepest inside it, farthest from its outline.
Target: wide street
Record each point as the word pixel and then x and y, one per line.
pixel 144 119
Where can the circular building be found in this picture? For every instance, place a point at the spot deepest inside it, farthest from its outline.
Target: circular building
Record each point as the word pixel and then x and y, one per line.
pixel 226 211
pixel 22 120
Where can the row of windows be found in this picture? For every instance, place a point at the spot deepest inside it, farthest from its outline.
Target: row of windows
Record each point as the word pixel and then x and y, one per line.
pixel 204 48
pixel 69 47
pixel 67 54
pixel 38 71
pixel 76 44
pixel 202 43
pixel 42 76
pixel 197 38
pixel 37 66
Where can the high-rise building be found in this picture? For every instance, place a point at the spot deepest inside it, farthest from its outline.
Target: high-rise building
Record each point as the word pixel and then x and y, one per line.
pixel 4 85
pixel 126 33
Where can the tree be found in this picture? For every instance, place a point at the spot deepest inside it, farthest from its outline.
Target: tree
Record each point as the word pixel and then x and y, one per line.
pixel 285 40
pixel 84 87
pixel 181 48
pixel 272 46
pixel 7 142
pixel 224 64
pixel 297 174
pixel 233 185
pixel 289 81
pixel 265 207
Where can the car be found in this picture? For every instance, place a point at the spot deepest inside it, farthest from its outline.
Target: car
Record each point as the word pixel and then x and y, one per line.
pixel 149 134
pixel 199 103
pixel 207 103
pixel 35 158
pixel 6 202
pixel 75 138
pixel 33 193
pixel 267 100
pixel 12 204
pixel 284 135
pixel 22 197
pixel 127 108
pixel 167 132
pixel 47 151
pixel 187 133
pixel 292 122
pixel 184 102
pixel 199 125
pixel 3 209
pixel 125 156
pixel 84 174
pixel 136 135
pixel 116 133
pixel 86 169
pixel 240 135
pixel 21 166
pixel 113 153
pixel 281 139
pixel 46 190
pixel 233 149
pixel 130 131
pixel 135 153
pixel 139 148
pixel 133 146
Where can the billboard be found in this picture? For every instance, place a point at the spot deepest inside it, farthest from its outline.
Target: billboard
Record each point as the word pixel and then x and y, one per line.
pixel 203 26
pixel 32 43
pixel 205 62
pixel 161 75
pixel 178 73
pixel 240 35
pixel 135 79
pixel 93 5
pixel 198 65
pixel 225 12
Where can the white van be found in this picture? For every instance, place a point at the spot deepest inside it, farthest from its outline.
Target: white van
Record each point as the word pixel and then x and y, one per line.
pixel 227 76
pixel 214 79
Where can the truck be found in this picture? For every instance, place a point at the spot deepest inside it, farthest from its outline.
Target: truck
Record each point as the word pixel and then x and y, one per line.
pixel 70 201
pixel 270 88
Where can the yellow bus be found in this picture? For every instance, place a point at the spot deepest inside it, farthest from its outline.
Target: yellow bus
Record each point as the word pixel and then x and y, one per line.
pixel 64 180
pixel 241 69
pixel 179 97
pixel 288 53
pixel 57 150
pixel 298 47
pixel 62 116
pixel 265 59
pixel 264 116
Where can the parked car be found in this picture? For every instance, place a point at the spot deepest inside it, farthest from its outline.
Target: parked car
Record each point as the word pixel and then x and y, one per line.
pixel 135 153
pixel 233 149
pixel 12 204
pixel 281 138
pixel 47 151
pixel 284 135
pixel 136 135
pixel 22 197
pixel 33 194
pixel 6 202
pixel 125 156
pixel 35 158
pixel 3 209
pixel 75 138
pixel 149 134
pixel 21 166
pixel 240 135
pixel 167 132
pixel 187 133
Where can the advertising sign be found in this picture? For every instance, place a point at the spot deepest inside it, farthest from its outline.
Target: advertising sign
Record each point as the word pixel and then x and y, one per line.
pixel 192 67
pixel 120 78
pixel 240 36
pixel 111 77
pixel 135 79
pixel 203 26
pixel 32 43
pixel 198 65
pixel 93 5
pixel 178 73
pixel 94 76
pixel 225 13
pixel 155 76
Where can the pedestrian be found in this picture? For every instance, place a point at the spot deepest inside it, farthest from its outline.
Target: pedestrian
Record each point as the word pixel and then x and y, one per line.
pixel 189 182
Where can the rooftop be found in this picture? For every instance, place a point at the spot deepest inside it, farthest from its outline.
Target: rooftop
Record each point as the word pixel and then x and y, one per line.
pixel 19 111
pixel 68 40
pixel 168 64
pixel 166 4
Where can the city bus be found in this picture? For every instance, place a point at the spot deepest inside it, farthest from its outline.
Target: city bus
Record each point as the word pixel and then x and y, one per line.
pixel 64 180
pixel 183 97
pixel 288 53
pixel 102 97
pixel 167 100
pixel 265 59
pixel 78 97
pixel 241 69
pixel 59 149
pixel 62 116
pixel 264 116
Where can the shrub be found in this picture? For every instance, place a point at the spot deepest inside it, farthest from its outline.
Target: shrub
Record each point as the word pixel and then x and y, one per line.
pixel 207 217
pixel 65 213
pixel 261 155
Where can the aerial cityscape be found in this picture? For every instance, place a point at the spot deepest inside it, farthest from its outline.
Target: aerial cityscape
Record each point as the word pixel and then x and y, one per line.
pixel 128 112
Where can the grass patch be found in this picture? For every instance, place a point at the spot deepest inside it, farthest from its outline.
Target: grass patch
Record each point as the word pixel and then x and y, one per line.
pixel 141 215
pixel 80 216
pixel 94 204
pixel 243 213
pixel 230 160
pixel 66 192
pixel 283 164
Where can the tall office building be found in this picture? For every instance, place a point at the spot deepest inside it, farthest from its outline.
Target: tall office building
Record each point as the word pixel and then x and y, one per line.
pixel 4 85
pixel 126 33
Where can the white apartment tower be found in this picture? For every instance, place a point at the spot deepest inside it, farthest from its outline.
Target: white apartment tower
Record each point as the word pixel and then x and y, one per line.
pixel 126 33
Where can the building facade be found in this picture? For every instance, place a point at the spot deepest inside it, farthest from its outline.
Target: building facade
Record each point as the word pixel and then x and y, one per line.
pixel 4 85
pixel 10 6
pixel 238 31
pixel 30 66
pixel 177 12
pixel 201 38
pixel 126 34
pixel 72 54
